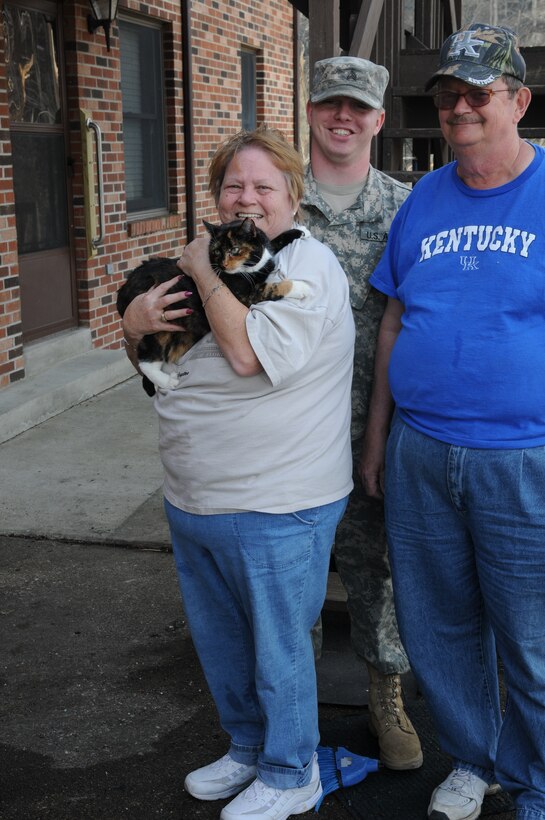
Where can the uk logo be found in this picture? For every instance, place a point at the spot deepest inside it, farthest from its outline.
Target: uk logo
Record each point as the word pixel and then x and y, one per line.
pixel 469 263
pixel 464 44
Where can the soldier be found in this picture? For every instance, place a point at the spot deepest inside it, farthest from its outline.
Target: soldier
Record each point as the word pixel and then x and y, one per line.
pixel 349 205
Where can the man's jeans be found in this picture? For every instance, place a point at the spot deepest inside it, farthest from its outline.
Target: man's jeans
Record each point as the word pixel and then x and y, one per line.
pixel 466 532
pixel 252 585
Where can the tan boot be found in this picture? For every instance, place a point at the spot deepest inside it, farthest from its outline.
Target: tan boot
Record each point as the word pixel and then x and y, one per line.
pixel 398 742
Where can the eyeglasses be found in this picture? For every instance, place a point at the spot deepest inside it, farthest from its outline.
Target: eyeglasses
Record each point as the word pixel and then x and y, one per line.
pixel 475 97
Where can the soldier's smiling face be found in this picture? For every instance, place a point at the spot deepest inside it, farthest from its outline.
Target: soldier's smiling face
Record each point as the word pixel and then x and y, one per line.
pixel 342 128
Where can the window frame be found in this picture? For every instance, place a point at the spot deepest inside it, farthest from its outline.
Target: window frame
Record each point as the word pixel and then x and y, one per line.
pixel 140 211
pixel 248 85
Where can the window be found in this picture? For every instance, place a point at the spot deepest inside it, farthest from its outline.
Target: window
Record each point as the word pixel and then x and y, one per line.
pixel 143 117
pixel 248 73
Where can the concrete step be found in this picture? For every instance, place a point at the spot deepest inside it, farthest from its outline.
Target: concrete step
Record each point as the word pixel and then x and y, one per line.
pixel 52 350
pixel 62 372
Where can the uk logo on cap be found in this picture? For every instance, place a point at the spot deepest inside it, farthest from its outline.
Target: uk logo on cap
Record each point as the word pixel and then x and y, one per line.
pixel 464 44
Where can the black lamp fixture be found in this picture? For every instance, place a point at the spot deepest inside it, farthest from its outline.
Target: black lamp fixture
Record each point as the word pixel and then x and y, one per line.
pixel 104 13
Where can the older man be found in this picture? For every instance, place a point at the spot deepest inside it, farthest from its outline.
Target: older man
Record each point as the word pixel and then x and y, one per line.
pixel 463 336
pixel 350 205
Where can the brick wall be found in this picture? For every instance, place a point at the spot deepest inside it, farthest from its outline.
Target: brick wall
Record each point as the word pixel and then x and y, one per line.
pixel 93 79
pixel 219 28
pixel 11 347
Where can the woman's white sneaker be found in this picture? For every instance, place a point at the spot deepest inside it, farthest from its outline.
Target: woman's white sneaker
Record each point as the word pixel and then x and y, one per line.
pixel 261 802
pixel 459 797
pixel 223 778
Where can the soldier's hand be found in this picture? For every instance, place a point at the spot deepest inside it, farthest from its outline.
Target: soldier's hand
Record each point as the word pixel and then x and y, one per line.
pixel 371 466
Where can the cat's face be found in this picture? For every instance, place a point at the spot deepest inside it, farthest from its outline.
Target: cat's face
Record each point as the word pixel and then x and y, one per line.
pixel 254 187
pixel 237 246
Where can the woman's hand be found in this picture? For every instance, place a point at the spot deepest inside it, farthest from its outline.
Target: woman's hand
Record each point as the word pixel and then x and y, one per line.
pixel 149 312
pixel 195 261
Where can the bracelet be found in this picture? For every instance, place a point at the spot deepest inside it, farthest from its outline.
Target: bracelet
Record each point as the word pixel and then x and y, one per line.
pixel 212 292
pixel 129 345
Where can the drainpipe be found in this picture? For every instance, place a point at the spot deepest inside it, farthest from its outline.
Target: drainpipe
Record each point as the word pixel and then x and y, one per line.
pixel 189 146
pixel 296 80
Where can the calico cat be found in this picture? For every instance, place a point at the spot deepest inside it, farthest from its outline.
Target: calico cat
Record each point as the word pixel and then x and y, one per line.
pixel 242 256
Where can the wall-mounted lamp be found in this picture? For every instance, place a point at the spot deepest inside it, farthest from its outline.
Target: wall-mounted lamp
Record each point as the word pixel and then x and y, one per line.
pixel 104 13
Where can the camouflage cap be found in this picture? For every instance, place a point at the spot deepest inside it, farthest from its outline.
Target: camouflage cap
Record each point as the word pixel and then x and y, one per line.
pixel 349 77
pixel 479 55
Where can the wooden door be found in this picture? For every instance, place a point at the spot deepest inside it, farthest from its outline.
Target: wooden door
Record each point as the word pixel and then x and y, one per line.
pixel 40 164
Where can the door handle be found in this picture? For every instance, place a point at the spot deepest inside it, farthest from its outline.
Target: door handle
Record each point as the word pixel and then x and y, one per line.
pixel 98 240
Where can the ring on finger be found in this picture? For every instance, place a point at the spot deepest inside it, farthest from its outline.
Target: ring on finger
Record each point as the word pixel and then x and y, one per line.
pixel 163 317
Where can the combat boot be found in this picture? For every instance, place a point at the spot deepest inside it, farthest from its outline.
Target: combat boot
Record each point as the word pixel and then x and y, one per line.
pixel 397 739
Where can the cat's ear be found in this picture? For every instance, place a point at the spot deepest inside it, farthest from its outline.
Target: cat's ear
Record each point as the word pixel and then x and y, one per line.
pixel 248 226
pixel 212 229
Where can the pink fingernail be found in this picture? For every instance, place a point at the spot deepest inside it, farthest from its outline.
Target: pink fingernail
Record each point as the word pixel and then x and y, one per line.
pixel 188 293
pixel 188 311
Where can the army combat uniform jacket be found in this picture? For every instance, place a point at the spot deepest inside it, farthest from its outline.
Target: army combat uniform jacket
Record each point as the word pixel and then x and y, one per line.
pixel 357 236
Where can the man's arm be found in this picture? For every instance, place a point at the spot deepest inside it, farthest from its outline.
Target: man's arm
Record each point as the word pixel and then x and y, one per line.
pixel 381 406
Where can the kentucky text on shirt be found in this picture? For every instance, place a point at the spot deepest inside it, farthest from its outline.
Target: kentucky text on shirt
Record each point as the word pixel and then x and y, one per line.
pixel 477 238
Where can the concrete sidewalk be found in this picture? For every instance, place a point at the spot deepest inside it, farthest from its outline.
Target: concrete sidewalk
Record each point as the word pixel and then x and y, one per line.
pixel 91 473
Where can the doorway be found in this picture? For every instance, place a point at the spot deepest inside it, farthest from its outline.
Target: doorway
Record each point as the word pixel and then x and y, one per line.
pixel 43 201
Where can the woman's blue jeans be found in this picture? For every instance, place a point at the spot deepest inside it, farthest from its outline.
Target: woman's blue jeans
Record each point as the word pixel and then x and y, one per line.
pixel 466 532
pixel 252 585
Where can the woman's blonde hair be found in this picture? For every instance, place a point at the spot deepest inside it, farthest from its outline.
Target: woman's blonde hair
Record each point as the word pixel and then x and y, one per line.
pixel 282 153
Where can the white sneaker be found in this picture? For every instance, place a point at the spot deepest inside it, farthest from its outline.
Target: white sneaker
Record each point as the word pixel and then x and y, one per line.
pixel 459 797
pixel 223 778
pixel 261 802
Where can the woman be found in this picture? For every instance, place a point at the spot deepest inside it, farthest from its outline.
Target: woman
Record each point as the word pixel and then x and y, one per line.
pixel 256 450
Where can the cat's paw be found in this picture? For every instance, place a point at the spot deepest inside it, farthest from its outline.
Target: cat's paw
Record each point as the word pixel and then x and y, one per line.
pixel 286 287
pixel 165 381
pixel 172 382
pixel 299 290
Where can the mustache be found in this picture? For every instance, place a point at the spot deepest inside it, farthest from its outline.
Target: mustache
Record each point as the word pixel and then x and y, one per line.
pixel 463 119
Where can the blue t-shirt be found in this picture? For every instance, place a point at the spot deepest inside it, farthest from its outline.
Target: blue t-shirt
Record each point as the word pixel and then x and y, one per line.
pixel 468 366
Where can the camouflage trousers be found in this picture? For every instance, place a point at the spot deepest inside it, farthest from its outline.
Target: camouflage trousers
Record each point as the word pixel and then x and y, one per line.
pixel 361 559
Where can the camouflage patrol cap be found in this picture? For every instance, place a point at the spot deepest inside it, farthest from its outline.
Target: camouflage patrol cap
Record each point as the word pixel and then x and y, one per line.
pixel 349 77
pixel 479 55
